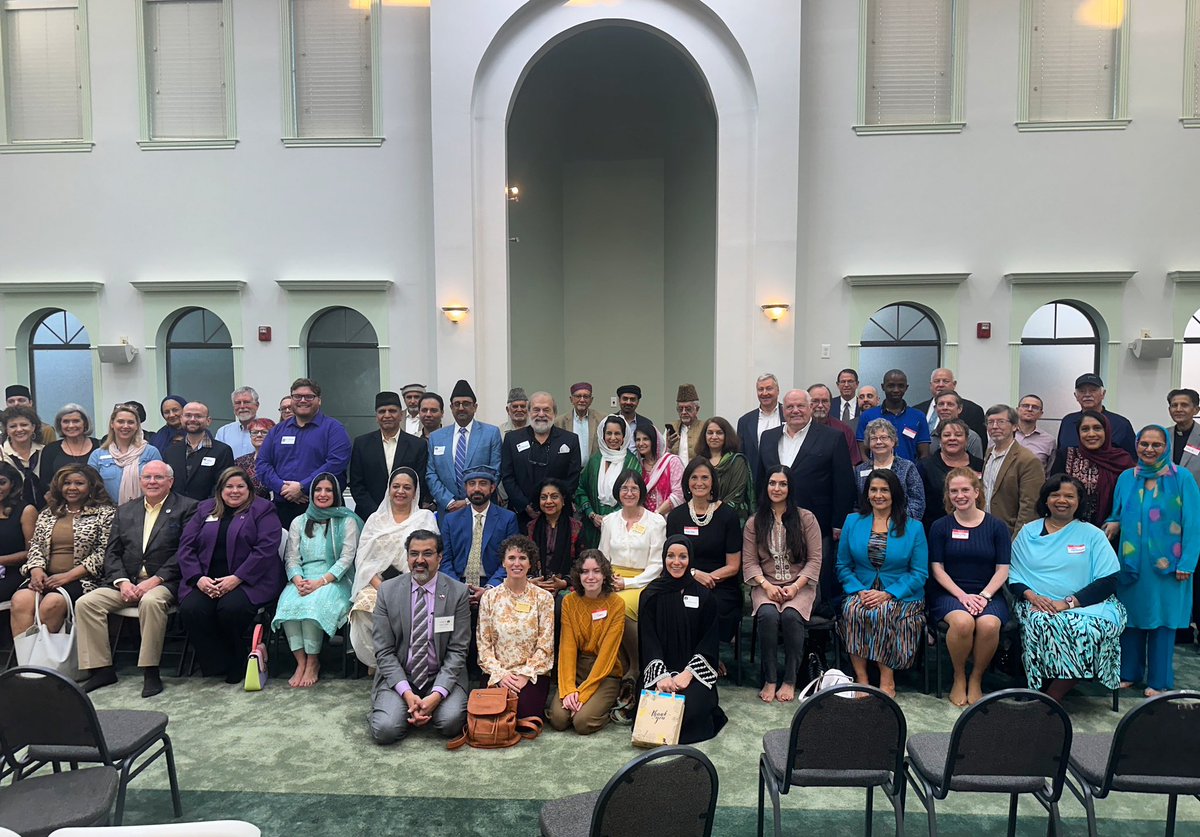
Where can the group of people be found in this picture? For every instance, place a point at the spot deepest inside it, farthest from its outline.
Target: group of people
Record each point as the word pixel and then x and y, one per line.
pixel 600 555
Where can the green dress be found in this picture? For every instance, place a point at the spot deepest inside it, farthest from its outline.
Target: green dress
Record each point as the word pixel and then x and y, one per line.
pixel 587 501
pixel 737 484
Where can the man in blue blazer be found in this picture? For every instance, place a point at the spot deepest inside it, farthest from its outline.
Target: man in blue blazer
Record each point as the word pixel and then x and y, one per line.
pixel 456 449
pixel 472 536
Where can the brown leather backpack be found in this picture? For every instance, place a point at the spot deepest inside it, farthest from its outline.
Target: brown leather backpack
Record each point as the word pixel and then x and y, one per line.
pixel 492 721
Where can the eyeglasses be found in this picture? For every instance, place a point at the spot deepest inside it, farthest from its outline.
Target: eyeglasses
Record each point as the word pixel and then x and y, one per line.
pixel 258 432
pixel 998 422
pixel 1152 445
pixel 304 398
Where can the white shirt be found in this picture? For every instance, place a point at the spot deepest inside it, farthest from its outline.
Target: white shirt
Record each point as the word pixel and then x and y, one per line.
pixel 789 445
pixel 454 442
pixel 638 547
pixel 412 425
pixel 583 430
pixel 852 404
pixel 991 470
pixel 768 420
pixel 684 453
pixel 389 449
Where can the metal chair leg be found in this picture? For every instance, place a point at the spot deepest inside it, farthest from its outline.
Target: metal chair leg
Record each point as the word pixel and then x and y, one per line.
pixel 1172 804
pixel 1012 815
pixel 870 809
pixel 762 788
pixel 1054 828
pixel 931 815
pixel 119 812
pixel 172 777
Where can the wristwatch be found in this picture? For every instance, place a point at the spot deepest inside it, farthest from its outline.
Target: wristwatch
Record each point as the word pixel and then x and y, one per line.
pixel 985 595
pixel 1071 601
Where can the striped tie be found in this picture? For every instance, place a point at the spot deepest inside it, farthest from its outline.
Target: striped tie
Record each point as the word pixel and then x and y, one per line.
pixel 419 670
pixel 475 555
pixel 460 462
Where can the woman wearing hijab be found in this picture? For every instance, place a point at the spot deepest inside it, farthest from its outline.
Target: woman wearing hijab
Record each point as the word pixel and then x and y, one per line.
pixel 1156 512
pixel 320 555
pixel 679 640
pixel 171 409
pixel 121 455
pixel 1096 463
pixel 596 496
pixel 663 470
pixel 382 554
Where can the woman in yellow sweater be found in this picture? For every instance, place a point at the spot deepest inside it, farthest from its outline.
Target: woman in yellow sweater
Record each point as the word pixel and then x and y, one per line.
pixel 593 622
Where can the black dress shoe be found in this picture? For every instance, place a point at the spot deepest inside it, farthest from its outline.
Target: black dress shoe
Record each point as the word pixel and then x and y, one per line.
pixel 151 682
pixel 100 678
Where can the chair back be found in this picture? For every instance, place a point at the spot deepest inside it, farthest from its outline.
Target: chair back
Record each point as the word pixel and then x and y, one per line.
pixel 832 731
pixel 39 706
pixel 670 791
pixel 1013 732
pixel 1160 737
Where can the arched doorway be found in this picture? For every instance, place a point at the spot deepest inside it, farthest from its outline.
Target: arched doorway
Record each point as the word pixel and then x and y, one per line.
pixel 612 257
pixel 1059 343
pixel 200 362
pixel 343 358
pixel 900 336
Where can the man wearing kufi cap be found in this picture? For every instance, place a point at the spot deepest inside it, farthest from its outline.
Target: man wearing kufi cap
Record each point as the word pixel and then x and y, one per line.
pixel 377 454
pixel 628 398
pixel 412 401
pixel 518 411
pixel 18 395
pixel 687 405
pixel 453 450
pixel 472 535
pixel 581 419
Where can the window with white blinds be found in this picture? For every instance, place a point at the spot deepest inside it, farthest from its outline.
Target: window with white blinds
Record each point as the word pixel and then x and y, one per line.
pixel 1073 63
pixel 333 51
pixel 1191 67
pixel 43 44
pixel 187 46
pixel 911 54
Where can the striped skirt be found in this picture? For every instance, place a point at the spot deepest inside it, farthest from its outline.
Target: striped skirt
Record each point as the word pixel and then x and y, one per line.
pixel 1069 646
pixel 889 634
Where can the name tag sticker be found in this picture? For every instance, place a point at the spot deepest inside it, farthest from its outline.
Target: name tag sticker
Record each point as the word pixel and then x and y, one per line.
pixel 1076 549
pixel 443 624
pixel 910 432
pixel 639 529
pixel 523 607
pixel 866 472
pixel 523 445
pixel 597 615
pixel 1192 449
pixel 208 462
pixel 439 450
pixel 960 534
pixel 212 518
pixel 287 440
pixel 104 456
pixel 565 448
pixel 691 601
pixel 691 531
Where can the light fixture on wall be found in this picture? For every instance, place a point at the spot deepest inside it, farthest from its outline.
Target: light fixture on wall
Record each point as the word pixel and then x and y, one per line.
pixel 775 310
pixel 513 194
pixel 455 313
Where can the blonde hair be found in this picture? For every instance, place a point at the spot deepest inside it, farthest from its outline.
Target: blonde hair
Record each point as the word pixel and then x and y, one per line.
pixel 976 483
pixel 111 438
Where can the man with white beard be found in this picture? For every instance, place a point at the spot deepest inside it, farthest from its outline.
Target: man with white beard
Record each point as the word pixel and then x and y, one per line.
pixel 530 454
pixel 236 434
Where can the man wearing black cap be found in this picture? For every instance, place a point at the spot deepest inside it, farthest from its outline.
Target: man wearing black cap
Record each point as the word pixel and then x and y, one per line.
pixel 1089 393
pixel 456 449
pixel 628 398
pixel 377 454
pixel 18 395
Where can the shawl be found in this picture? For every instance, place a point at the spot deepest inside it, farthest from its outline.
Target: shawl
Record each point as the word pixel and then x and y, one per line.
pixel 381 541
pixel 130 460
pixel 606 479
pixel 1152 520
pixel 334 517
pixel 1108 460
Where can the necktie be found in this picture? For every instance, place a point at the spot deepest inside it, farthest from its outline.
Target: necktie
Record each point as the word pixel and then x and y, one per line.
pixel 475 556
pixel 460 461
pixel 846 412
pixel 419 668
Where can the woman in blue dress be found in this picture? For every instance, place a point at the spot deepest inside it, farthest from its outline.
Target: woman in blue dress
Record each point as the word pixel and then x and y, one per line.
pixel 319 563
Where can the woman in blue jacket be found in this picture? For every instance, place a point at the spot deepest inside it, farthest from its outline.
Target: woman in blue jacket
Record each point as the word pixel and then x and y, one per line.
pixel 882 563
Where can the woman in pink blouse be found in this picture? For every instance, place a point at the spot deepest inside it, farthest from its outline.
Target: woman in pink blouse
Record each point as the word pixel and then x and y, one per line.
pixel 663 471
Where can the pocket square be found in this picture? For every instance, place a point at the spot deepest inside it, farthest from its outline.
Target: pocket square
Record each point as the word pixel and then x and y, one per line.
pixel 564 448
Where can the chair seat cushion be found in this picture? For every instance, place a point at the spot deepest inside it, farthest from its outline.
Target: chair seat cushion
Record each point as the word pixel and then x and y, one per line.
pixel 1089 760
pixel 775 752
pixel 568 817
pixel 928 751
pixel 126 731
pixel 36 806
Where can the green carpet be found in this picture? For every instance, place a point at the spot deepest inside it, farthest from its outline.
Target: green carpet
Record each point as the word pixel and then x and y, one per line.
pixel 301 762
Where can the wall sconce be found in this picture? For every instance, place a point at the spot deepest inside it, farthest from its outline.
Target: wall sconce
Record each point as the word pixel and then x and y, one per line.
pixel 775 310
pixel 455 313
pixel 513 194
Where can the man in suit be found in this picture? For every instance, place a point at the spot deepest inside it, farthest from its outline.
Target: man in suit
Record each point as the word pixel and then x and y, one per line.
pixel 140 570
pixel 684 439
pixel 376 454
pixel 431 411
pixel 753 424
pixel 472 536
pixel 1183 405
pixel 1089 394
pixel 422 626
pixel 821 401
pixel 1012 474
pixel 844 407
pixel 456 449
pixel 196 457
pixel 942 380
pixel 581 419
pixel 531 454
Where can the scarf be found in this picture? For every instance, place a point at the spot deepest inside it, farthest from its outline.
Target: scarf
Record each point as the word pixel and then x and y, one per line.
pixel 130 462
pixel 614 459
pixel 660 467
pixel 678 627
pixel 381 542
pixel 333 517
pixel 1109 461
pixel 1152 519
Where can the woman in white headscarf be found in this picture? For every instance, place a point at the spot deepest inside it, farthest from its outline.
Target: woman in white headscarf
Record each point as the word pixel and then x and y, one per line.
pixel 595 496
pixel 382 554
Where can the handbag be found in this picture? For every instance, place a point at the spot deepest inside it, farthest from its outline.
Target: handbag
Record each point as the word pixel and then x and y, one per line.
pixel 833 677
pixel 39 647
pixel 492 721
pixel 659 719
pixel 256 662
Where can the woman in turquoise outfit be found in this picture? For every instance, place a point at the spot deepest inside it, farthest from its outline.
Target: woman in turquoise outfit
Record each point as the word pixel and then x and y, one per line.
pixel 319 563
pixel 1156 511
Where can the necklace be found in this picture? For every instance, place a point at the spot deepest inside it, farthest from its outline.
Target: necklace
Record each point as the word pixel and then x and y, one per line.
pixel 702 519
pixel 74 447
pixel 1052 527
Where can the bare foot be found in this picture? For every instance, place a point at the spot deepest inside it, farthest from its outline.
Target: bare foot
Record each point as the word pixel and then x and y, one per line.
pixel 311 672
pixel 767 695
pixel 297 679
pixel 787 693
pixel 958 693
pixel 1125 684
pixel 1152 692
pixel 974 693
pixel 888 688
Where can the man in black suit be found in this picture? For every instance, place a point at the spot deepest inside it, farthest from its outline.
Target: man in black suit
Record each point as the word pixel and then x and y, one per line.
pixel 196 457
pixel 844 407
pixel 377 454
pixel 942 380
pixel 753 424
pixel 530 454
pixel 822 479
pixel 140 570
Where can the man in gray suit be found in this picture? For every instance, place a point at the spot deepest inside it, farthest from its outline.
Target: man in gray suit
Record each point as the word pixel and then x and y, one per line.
pixel 422 632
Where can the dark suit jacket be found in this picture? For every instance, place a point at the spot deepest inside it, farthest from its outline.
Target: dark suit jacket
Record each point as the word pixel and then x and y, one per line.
pixel 972 414
pixel 560 458
pixel 393 622
pixel 1190 461
pixel 369 471
pixel 457 529
pixel 251 547
pixel 747 431
pixel 196 473
pixel 821 472
pixel 124 557
pixel 835 411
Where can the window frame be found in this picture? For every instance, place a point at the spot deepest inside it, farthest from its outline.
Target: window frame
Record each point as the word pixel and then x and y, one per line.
pixel 33 347
pixel 290 137
pixel 1191 46
pixel 148 142
pixel 82 57
pixel 1120 119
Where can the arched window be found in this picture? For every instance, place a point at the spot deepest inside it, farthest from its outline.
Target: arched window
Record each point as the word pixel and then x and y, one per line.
pixel 343 357
pixel 1058 344
pixel 60 365
pixel 1191 353
pixel 900 336
pixel 200 364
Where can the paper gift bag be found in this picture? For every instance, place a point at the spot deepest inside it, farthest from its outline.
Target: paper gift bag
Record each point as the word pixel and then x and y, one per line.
pixel 659 719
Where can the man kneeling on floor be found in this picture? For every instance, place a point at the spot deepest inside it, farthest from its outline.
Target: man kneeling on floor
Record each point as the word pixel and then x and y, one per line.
pixel 422 632
pixel 140 571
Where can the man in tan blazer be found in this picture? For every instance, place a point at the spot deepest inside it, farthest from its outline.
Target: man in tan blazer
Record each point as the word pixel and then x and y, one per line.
pixel 581 420
pixel 687 405
pixel 1012 474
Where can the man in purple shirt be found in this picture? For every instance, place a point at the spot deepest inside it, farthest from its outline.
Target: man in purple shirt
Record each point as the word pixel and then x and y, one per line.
pixel 299 449
pixel 422 632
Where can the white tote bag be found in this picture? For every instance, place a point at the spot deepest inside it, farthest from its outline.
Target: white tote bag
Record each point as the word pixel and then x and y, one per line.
pixel 833 677
pixel 38 647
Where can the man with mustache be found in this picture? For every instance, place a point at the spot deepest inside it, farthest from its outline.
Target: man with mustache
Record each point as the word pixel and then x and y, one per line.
pixel 533 453
pixel 455 450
